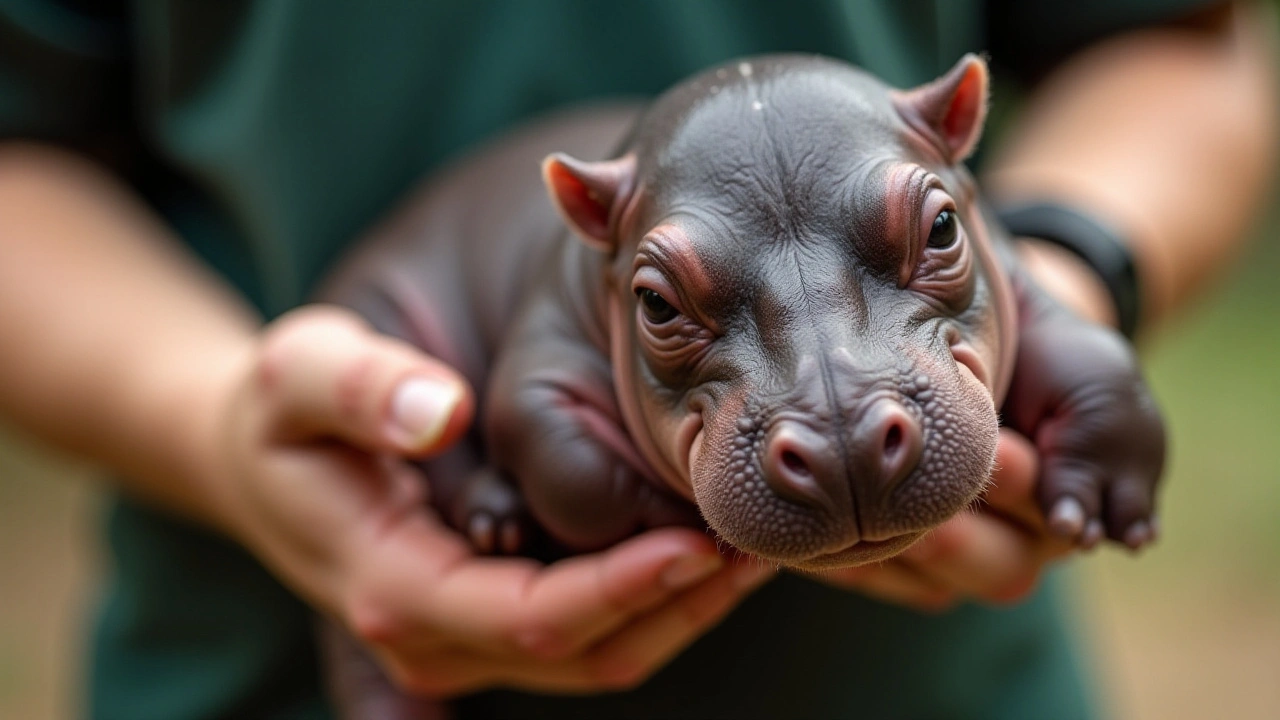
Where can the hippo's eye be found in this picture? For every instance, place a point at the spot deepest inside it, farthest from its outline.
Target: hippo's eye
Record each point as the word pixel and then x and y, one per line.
pixel 656 310
pixel 943 234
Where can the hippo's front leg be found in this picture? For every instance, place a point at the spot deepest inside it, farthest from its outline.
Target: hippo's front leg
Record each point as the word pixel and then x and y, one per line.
pixel 1078 393
pixel 553 424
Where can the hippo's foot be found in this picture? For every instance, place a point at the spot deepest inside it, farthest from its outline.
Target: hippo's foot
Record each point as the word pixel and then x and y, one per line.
pixel 1079 394
pixel 492 514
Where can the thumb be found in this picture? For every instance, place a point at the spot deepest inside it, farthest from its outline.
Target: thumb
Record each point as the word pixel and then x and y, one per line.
pixel 324 373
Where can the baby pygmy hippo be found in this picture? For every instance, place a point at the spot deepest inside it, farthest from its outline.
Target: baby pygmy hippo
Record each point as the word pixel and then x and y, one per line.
pixel 781 311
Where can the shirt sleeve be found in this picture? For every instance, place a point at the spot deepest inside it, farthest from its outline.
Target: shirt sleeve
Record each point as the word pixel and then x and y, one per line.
pixel 1027 38
pixel 64 74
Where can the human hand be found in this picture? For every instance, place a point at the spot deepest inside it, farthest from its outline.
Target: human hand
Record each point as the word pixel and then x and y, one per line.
pixel 309 447
pixel 993 554
pixel 997 554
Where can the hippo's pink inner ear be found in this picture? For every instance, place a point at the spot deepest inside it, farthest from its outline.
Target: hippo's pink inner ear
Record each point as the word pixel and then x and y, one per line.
pixel 590 195
pixel 951 109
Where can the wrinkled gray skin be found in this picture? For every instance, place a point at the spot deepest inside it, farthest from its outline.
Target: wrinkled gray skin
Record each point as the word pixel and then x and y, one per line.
pixel 784 315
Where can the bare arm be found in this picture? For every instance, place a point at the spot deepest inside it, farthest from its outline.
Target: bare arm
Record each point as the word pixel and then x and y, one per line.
pixel 1168 134
pixel 119 347
pixel 116 342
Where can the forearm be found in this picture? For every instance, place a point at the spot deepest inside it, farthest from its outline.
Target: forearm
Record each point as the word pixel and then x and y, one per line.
pixel 116 342
pixel 1168 135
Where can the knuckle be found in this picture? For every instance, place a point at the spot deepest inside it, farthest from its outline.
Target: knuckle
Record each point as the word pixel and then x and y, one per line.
pixel 320 315
pixel 373 623
pixel 292 335
pixel 275 355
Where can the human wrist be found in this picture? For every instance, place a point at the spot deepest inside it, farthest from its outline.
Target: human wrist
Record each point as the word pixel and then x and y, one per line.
pixel 196 419
pixel 1092 240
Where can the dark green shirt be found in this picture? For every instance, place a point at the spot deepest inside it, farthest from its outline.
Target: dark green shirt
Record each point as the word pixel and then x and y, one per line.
pixel 270 134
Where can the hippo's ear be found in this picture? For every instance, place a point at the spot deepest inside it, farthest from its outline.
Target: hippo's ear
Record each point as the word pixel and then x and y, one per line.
pixel 590 195
pixel 951 109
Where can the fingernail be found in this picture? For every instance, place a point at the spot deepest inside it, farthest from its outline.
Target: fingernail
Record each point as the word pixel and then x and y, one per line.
pixel 1067 519
pixel 690 570
pixel 421 408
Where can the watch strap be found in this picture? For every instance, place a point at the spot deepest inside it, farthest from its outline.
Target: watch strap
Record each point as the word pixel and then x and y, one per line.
pixel 1101 247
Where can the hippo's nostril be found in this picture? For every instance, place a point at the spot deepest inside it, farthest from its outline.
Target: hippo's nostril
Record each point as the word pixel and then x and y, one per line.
pixel 892 441
pixel 798 463
pixel 897 440
pixel 794 463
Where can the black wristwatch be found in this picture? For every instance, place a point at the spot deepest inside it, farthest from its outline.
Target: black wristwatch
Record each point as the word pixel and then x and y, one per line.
pixel 1101 248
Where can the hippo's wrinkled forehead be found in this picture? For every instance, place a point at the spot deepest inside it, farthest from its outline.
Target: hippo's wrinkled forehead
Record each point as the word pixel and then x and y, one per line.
pixel 762 154
pixel 779 129
pixel 867 216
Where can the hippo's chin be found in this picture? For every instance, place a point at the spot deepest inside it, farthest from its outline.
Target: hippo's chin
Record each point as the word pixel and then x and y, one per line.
pixel 859 553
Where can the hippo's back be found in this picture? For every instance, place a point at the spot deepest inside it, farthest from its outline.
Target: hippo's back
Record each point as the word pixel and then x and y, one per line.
pixel 447 268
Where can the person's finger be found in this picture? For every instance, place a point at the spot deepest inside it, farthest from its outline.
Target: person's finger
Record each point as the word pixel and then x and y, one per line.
pixel 1012 492
pixel 519 607
pixel 643 647
pixel 980 556
pixel 896 583
pixel 621 660
pixel 325 373
pixel 574 603
pixel 319 541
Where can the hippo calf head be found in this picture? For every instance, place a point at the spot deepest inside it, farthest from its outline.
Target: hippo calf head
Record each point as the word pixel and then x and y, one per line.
pixel 810 332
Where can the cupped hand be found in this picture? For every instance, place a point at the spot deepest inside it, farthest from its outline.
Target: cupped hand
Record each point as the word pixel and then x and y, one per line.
pixel 995 553
pixel 310 448
pixel 998 552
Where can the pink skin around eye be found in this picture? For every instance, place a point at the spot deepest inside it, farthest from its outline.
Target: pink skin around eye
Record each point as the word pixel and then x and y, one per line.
pixel 916 194
pixel 663 451
pixel 668 443
pixel 914 197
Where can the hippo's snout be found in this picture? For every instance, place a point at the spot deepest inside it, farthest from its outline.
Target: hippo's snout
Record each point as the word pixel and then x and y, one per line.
pixel 815 467
pixel 815 484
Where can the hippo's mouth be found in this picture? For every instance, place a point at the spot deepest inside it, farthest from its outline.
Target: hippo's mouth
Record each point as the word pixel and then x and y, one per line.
pixel 861 552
